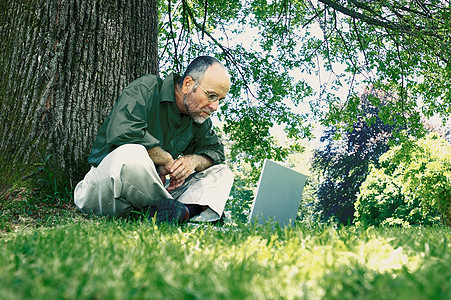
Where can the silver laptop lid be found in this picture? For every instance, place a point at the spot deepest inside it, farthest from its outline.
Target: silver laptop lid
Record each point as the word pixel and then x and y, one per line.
pixel 279 193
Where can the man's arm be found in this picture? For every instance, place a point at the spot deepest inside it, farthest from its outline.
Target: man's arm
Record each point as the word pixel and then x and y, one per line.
pixel 203 162
pixel 163 160
pixel 207 144
pixel 190 163
pixel 160 157
pixel 185 165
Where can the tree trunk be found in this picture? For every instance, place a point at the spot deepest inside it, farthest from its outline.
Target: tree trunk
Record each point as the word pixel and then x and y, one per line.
pixel 63 64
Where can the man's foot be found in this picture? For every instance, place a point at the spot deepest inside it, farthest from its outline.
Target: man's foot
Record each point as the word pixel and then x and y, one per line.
pixel 169 210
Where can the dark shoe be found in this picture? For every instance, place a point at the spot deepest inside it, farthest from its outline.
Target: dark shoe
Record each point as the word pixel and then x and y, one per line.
pixel 169 210
pixel 195 209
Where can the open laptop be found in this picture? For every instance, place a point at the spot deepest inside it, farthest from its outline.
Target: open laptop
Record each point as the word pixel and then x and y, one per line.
pixel 279 193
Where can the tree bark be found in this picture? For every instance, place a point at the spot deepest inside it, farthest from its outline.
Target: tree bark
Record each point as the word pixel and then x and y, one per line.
pixel 63 64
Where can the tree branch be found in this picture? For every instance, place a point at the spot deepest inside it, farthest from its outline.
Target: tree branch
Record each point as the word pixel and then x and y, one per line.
pixel 205 18
pixel 172 32
pixel 227 53
pixel 313 18
pixel 357 15
pixel 359 40
pixel 369 20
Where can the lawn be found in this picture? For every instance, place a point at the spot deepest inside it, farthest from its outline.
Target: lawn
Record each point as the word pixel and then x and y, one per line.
pixel 92 258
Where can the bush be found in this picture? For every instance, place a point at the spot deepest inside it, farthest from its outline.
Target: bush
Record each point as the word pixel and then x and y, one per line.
pixel 412 185
pixel 344 161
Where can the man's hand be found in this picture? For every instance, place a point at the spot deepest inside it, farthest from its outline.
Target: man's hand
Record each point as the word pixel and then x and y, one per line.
pixel 163 171
pixel 183 167
pixel 173 184
pixel 163 160
pixel 178 169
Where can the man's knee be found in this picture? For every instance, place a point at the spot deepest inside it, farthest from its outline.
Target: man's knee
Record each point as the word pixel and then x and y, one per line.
pixel 142 176
pixel 134 172
pixel 220 173
pixel 141 185
pixel 226 173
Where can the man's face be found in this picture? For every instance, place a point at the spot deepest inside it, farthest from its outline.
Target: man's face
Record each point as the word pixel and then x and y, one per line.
pixel 196 108
pixel 198 101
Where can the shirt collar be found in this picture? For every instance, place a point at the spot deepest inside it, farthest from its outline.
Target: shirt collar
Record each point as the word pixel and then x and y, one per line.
pixel 168 88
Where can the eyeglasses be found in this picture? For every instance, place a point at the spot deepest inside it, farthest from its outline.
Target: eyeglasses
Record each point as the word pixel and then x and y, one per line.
pixel 211 97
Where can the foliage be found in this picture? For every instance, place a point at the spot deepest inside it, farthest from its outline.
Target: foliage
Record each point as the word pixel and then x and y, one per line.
pixel 406 45
pixel 277 51
pixel 261 82
pixel 307 215
pixel 343 162
pixel 239 204
pixel 112 259
pixel 411 185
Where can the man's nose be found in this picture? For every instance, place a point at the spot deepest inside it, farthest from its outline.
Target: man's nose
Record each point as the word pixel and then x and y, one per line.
pixel 214 105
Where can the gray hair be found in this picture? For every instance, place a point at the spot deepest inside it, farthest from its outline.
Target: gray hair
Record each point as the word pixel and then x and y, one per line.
pixel 197 68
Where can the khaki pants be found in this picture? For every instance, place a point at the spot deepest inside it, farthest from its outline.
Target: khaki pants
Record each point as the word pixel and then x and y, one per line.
pixel 127 179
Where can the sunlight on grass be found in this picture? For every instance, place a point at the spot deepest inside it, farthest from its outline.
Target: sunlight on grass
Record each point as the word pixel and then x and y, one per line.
pixel 107 259
pixel 379 255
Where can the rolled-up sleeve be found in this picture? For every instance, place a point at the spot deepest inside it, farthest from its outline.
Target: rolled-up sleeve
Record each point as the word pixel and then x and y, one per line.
pixel 206 142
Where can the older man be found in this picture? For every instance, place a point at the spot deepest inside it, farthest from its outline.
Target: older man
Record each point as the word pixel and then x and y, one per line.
pixel 157 152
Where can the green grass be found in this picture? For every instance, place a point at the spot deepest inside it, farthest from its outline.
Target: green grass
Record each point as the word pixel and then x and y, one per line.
pixel 114 259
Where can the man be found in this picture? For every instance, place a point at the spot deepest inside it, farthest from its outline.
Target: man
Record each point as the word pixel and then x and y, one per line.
pixel 157 153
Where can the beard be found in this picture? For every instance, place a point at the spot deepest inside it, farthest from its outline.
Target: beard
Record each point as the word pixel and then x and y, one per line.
pixel 198 114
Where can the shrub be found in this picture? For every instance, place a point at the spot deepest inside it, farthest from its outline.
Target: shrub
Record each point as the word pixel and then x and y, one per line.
pixel 411 186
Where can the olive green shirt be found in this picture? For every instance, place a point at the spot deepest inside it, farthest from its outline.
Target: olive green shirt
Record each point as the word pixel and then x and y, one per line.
pixel 146 113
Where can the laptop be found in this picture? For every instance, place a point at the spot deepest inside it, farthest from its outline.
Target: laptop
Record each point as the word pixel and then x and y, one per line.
pixel 278 196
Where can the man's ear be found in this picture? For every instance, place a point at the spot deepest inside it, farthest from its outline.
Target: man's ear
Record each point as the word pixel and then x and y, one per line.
pixel 188 82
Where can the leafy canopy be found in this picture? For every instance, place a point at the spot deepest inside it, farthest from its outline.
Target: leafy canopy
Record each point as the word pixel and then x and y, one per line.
pixel 288 59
